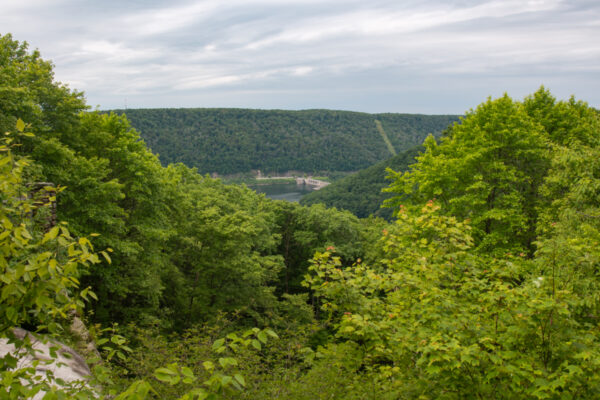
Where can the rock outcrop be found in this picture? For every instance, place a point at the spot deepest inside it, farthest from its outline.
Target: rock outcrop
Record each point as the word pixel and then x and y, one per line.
pixel 56 361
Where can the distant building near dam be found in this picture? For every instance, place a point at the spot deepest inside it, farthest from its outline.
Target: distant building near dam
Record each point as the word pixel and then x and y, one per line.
pixel 315 183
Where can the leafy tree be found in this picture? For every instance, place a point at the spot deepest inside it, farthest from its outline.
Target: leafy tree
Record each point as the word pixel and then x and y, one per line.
pixel 224 249
pixel 569 228
pixel 305 230
pixel 488 168
pixel 132 214
pixel 28 92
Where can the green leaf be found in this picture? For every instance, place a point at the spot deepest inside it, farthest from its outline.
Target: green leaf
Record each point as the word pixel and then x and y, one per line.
pixel 167 375
pixel 52 233
pixel 106 257
pixel 271 333
pixel 262 336
pixel 93 295
pixel 218 344
pixel 20 125
pixel 225 380
pixel 188 375
pixel 199 394
pixel 227 362
pixel 240 379
pixel 187 372
pixel 208 365
pixel 117 339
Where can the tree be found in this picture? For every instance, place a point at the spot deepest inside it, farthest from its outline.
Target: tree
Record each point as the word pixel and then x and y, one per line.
pixel 124 196
pixel 488 168
pixel 224 249
pixel 305 230
pixel 29 92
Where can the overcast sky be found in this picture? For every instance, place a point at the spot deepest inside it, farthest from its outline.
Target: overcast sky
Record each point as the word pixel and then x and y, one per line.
pixel 422 56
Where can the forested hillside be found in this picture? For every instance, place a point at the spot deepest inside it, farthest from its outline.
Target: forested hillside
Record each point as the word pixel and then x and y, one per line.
pixel 229 141
pixel 485 286
pixel 362 193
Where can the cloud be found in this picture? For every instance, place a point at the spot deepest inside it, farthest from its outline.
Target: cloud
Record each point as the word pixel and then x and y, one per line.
pixel 311 53
pixel 168 18
pixel 394 22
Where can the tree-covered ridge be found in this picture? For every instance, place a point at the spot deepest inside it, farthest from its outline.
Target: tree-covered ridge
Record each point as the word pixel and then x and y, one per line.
pixel 362 193
pixel 230 141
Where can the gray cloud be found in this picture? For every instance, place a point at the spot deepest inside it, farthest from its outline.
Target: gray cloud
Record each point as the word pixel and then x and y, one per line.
pixel 403 56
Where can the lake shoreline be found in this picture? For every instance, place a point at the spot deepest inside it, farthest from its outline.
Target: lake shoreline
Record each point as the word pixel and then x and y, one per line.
pixel 287 191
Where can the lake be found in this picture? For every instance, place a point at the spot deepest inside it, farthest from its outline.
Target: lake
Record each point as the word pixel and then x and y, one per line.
pixel 283 191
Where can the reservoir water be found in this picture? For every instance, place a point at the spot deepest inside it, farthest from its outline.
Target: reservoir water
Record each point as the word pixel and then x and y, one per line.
pixel 283 191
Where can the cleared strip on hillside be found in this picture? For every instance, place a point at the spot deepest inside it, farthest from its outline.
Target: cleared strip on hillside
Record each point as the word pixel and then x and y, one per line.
pixel 385 138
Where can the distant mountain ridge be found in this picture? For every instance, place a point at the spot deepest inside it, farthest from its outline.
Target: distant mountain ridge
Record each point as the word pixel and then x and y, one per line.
pixel 229 141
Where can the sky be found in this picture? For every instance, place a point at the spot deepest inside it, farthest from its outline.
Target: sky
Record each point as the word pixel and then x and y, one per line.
pixel 426 56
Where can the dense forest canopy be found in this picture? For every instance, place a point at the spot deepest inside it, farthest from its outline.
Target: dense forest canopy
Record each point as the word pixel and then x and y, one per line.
pixel 485 285
pixel 228 141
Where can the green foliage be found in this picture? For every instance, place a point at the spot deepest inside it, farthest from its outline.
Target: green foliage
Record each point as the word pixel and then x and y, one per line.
pixel 39 277
pixel 39 271
pixel 38 289
pixel 500 168
pixel 224 249
pixel 213 367
pixel 361 193
pixel 305 230
pixel 229 141
pixel 126 200
pixel 489 168
pixel 28 92
pixel 436 320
